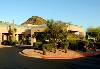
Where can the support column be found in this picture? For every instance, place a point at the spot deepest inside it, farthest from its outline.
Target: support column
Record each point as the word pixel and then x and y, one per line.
pixel 17 37
pixel 81 34
pixel 5 37
pixel 0 38
pixel 33 40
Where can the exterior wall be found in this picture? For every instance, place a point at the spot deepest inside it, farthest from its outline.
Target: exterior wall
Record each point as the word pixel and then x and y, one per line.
pixel 4 28
pixel 0 38
pixel 76 28
pixel 30 29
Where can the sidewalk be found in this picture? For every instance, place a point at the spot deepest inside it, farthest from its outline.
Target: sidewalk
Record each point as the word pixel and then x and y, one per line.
pixel 2 46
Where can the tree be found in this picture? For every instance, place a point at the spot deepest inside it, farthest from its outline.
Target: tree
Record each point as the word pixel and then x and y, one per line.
pixel 93 33
pixel 13 34
pixel 12 31
pixel 58 32
pixel 57 35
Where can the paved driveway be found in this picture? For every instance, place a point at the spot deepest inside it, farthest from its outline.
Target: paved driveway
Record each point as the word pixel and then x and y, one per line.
pixel 10 59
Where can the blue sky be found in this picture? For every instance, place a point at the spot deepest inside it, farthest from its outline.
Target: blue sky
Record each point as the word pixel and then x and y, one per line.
pixel 81 12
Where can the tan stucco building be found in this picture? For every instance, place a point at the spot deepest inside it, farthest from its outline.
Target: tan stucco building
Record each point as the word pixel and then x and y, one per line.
pixel 29 29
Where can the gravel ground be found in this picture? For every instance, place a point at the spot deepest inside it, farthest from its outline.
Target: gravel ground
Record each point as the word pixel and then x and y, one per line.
pixel 58 55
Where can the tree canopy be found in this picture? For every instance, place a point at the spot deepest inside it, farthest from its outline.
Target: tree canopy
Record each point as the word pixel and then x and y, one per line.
pixel 57 30
pixel 93 32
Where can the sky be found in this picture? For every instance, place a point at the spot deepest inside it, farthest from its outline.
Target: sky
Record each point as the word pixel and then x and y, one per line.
pixel 85 13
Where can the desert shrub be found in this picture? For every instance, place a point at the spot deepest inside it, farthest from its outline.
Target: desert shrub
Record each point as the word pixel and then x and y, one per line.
pixel 49 47
pixel 5 42
pixel 14 42
pixel 73 44
pixel 91 40
pixel 9 42
pixel 82 44
pixel 97 45
pixel 38 45
pixel 65 46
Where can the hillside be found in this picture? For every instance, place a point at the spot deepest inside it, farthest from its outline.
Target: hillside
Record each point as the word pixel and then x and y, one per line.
pixel 35 20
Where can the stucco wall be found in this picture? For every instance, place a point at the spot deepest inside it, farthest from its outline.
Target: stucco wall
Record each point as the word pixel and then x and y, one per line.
pixel 77 29
pixel 4 29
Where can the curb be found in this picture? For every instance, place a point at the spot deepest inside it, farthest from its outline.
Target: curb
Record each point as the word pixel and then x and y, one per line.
pixel 71 57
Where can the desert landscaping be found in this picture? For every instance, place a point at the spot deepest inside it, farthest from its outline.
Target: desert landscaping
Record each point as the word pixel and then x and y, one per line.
pixel 49 34
pixel 50 55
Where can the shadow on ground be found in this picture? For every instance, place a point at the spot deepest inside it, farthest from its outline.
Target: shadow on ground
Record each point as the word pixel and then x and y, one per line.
pixel 11 59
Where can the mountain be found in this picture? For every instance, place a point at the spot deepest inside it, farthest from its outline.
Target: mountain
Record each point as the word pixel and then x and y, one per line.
pixel 35 20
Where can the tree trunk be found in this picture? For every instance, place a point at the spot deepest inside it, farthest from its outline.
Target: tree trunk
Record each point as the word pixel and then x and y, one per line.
pixel 44 52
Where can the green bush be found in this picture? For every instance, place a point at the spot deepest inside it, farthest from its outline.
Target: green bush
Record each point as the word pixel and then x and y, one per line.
pixel 97 45
pixel 73 44
pixel 49 47
pixel 5 42
pixel 9 42
pixel 38 45
pixel 14 42
pixel 65 45
pixel 82 44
